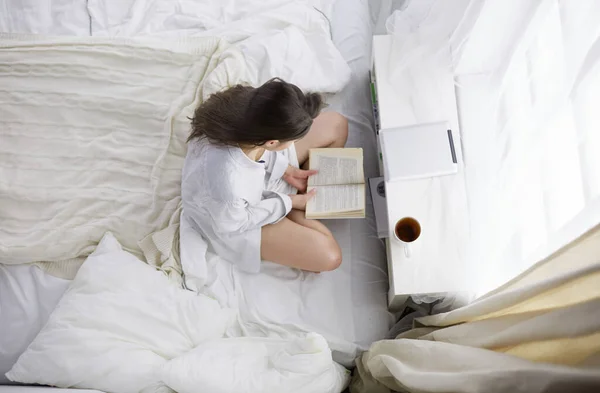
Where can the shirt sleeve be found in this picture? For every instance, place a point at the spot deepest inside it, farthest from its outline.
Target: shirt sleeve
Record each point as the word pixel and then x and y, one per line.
pixel 277 166
pixel 235 217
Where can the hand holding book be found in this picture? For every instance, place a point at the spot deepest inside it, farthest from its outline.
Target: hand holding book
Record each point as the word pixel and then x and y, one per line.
pixel 299 201
pixel 298 178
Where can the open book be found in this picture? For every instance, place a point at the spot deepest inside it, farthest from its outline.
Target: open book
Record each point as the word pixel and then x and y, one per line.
pixel 340 183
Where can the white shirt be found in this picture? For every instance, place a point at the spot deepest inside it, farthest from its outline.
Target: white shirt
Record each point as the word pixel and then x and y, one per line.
pixel 226 198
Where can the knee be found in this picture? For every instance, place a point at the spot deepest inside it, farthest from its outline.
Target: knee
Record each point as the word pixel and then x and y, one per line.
pixel 341 127
pixel 338 128
pixel 332 256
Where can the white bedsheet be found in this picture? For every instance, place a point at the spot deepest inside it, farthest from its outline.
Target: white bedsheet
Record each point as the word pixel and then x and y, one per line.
pixel 55 17
pixel 347 306
pixel 289 39
pixel 354 296
pixel 27 297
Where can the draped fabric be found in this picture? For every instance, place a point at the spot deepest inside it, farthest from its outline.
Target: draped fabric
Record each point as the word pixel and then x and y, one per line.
pixel 538 333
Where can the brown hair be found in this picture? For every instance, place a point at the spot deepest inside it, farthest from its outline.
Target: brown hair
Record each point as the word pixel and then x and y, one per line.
pixel 243 115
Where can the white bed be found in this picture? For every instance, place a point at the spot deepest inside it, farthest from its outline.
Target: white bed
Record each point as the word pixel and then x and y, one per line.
pixel 347 306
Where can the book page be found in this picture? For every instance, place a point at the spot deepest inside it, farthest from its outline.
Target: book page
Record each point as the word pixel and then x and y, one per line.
pixel 337 199
pixel 336 166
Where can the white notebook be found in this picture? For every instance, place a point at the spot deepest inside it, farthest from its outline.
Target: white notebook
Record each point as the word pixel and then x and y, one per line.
pixel 418 151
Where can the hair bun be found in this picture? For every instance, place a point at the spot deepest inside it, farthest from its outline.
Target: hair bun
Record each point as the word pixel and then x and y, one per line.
pixel 313 103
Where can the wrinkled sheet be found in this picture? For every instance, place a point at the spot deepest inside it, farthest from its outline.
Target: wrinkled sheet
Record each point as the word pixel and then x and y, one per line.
pixel 288 39
pixel 52 17
pixel 27 297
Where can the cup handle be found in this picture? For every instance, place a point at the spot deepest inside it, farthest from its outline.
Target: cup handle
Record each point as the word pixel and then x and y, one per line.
pixel 407 252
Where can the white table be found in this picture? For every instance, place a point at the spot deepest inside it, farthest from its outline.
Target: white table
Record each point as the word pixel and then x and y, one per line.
pixel 438 264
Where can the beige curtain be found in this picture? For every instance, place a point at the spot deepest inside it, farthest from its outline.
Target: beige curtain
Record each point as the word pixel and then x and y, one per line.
pixel 538 333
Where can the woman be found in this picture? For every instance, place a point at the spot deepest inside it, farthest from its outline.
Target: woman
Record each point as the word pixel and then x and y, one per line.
pixel 241 175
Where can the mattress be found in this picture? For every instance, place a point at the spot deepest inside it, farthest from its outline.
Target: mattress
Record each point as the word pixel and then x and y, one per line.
pixel 356 292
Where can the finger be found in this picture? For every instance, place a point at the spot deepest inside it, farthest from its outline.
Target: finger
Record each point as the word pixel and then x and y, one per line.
pixel 307 173
pixel 311 193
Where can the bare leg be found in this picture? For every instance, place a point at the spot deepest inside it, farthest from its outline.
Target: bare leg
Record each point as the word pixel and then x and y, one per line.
pixel 300 243
pixel 296 241
pixel 329 129
pixel 299 217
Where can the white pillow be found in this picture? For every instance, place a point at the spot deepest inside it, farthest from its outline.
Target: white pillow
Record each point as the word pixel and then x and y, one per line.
pixel 257 365
pixel 117 325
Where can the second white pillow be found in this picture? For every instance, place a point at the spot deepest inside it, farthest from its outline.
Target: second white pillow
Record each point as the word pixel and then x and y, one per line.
pixel 117 325
pixel 257 365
